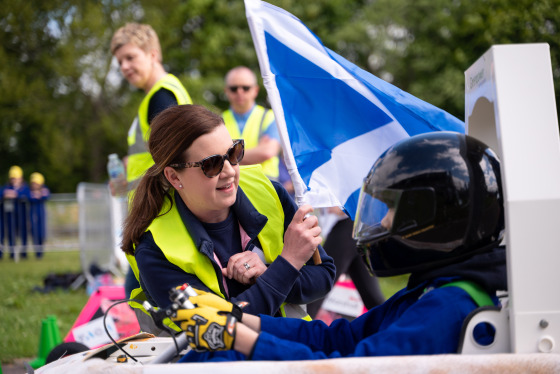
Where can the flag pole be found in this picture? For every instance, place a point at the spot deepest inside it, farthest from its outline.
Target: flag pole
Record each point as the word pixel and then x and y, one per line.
pixel 256 28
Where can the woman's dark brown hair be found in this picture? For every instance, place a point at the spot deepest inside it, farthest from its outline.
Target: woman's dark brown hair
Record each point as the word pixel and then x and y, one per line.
pixel 172 132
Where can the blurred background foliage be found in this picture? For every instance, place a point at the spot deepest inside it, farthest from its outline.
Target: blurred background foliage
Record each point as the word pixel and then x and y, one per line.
pixel 64 105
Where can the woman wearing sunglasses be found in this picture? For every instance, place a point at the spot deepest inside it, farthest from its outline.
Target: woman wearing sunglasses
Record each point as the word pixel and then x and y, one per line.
pixel 197 217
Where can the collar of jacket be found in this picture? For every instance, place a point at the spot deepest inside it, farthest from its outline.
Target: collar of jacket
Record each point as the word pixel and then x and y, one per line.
pixel 249 218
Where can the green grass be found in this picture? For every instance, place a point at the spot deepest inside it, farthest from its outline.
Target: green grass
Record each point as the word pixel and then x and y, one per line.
pixel 22 310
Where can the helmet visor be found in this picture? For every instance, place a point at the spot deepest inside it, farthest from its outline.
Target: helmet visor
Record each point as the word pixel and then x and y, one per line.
pixel 375 214
pixel 384 212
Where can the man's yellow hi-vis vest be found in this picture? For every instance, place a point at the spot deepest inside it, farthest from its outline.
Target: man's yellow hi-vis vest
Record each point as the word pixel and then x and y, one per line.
pixel 256 124
pixel 139 159
pixel 172 237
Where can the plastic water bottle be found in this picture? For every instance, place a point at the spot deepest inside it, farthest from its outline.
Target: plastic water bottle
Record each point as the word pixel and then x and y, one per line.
pixel 115 168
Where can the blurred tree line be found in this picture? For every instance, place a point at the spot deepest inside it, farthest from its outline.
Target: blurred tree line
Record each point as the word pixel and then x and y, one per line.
pixel 64 105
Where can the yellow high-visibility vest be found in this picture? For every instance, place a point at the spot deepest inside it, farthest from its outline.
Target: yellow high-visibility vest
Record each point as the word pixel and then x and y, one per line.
pixel 259 120
pixel 139 159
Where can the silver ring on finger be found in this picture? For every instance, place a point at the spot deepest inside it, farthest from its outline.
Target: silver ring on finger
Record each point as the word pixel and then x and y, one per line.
pixel 247 266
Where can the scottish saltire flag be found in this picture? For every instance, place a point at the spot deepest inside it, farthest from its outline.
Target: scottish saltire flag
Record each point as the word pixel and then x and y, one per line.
pixel 334 118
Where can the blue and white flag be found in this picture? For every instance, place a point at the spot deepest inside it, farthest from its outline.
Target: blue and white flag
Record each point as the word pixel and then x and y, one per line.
pixel 334 118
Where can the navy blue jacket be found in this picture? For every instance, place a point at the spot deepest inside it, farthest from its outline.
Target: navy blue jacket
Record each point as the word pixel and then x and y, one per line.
pixel 16 219
pixel 281 282
pixel 38 216
pixel 420 319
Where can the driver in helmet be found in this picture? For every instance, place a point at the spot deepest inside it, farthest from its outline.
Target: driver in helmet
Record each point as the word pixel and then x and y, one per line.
pixel 432 207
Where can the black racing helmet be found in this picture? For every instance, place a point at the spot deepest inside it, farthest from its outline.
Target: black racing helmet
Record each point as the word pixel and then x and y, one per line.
pixel 429 200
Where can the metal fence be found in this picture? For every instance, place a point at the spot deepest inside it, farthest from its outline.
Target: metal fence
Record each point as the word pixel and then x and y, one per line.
pixel 62 223
pixel 88 221
pixel 100 222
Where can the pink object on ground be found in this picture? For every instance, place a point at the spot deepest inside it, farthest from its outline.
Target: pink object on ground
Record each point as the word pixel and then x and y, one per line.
pixel 100 300
pixel 344 296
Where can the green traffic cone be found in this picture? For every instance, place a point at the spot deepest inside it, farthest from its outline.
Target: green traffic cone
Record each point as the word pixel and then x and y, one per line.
pixel 55 332
pixel 50 338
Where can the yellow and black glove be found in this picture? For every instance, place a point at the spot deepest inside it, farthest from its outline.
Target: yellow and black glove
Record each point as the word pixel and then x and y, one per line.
pixel 208 299
pixel 207 328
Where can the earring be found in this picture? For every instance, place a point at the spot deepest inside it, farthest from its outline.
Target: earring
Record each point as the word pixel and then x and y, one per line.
pixel 180 186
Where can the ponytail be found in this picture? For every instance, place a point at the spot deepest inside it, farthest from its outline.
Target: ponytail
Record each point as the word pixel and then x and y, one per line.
pixel 147 202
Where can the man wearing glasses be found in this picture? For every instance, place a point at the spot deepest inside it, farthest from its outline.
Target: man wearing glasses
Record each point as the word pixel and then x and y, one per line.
pixel 253 123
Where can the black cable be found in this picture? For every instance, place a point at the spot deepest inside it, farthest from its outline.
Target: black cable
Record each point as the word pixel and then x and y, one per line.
pixel 167 329
pixel 107 330
pixel 172 333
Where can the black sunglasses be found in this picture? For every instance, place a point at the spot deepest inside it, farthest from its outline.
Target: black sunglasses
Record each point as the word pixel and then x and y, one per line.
pixel 235 88
pixel 212 165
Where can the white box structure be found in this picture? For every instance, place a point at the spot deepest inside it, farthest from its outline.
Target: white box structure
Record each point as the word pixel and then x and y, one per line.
pixel 510 105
